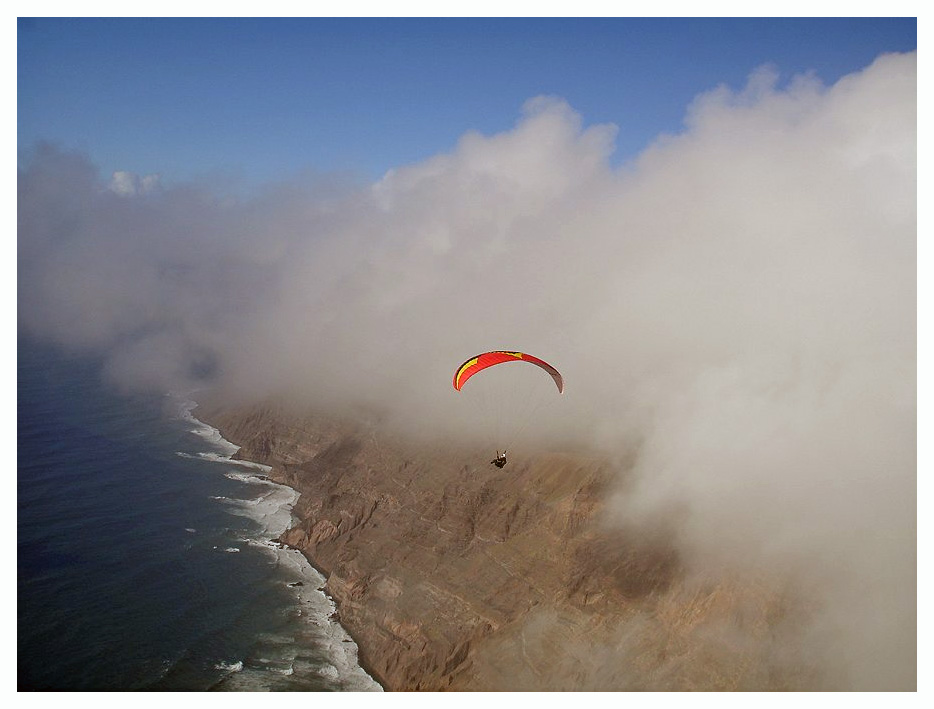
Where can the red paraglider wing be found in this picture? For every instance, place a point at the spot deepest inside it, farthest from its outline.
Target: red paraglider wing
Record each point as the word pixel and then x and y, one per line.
pixel 489 359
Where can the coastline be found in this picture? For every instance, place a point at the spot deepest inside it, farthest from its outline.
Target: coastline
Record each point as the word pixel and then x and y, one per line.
pixel 435 566
pixel 362 660
pixel 450 575
pixel 271 474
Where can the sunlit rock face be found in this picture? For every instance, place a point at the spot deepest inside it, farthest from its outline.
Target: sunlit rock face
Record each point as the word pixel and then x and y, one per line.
pixel 453 574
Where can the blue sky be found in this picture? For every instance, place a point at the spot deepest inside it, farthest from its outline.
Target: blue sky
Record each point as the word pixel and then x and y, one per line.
pixel 263 99
pixel 751 284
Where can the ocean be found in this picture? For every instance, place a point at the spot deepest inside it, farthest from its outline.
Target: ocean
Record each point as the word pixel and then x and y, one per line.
pixel 145 558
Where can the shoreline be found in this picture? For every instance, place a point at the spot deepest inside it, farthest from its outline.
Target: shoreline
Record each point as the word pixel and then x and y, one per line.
pixel 272 474
pixel 456 577
pixel 364 664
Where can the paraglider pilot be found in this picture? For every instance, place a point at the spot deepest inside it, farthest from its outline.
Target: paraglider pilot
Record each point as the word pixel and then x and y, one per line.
pixel 500 460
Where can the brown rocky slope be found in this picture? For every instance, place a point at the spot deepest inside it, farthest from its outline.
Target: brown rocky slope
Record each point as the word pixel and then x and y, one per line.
pixel 454 575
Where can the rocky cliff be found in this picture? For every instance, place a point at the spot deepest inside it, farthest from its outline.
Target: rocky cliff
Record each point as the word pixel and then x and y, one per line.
pixel 452 574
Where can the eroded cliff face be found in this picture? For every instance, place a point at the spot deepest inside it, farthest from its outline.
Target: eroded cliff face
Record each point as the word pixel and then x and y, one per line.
pixel 453 574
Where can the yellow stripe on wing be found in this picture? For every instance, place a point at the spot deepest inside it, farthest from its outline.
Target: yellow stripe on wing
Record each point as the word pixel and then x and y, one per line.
pixel 467 365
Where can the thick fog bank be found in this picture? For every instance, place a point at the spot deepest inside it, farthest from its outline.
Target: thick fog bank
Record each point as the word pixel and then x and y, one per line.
pixel 737 305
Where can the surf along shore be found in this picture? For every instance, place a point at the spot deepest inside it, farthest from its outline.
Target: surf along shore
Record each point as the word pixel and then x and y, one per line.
pixel 273 510
pixel 450 575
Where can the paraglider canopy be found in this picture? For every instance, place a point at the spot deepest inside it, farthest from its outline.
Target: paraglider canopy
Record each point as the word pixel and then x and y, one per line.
pixel 506 412
pixel 490 359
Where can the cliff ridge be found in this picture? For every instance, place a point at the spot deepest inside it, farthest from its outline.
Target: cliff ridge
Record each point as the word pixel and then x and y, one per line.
pixel 452 574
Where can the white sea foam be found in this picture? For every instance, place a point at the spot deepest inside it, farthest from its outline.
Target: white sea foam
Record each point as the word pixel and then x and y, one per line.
pixel 226 459
pixel 329 671
pixel 272 509
pixel 314 611
pixel 245 477
pixel 229 666
pixel 210 434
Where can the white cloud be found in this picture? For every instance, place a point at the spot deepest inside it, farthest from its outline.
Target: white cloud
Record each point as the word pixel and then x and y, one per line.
pixel 128 184
pixel 739 301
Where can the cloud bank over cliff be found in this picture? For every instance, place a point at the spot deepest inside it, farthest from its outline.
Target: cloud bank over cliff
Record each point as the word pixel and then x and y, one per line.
pixel 737 305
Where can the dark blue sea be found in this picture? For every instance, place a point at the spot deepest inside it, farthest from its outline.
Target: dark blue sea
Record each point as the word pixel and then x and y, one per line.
pixel 144 553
